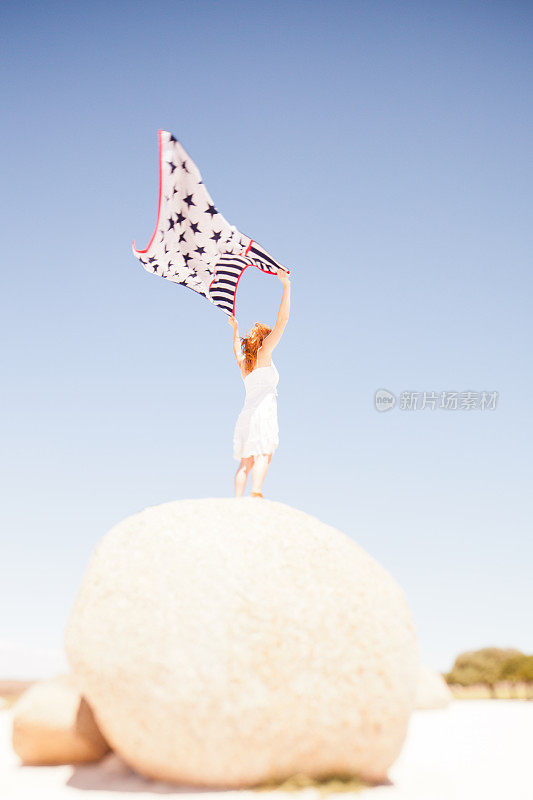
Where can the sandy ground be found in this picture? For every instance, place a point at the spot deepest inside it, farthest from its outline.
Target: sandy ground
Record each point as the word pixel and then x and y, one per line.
pixel 472 750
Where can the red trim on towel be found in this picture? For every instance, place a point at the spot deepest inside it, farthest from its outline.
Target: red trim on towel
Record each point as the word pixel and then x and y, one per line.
pixel 159 201
pixel 235 293
pixel 251 264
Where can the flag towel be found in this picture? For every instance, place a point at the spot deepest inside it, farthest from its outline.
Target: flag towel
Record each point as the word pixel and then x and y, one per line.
pixel 193 244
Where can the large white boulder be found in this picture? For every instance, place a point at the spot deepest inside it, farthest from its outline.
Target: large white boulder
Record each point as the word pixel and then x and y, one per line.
pixel 53 724
pixel 229 641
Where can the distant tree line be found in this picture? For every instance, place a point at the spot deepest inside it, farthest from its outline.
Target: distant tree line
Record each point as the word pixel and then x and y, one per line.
pixel 490 666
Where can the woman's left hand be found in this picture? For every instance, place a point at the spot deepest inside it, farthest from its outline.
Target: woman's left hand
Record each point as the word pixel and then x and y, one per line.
pixel 233 322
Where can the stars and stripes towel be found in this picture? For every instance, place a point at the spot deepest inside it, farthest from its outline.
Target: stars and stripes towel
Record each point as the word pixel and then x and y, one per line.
pixel 193 244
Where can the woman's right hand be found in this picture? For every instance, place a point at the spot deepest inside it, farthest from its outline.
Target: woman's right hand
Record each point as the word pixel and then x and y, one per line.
pixel 284 277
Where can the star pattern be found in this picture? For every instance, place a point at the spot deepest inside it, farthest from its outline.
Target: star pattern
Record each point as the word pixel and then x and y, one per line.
pixel 191 251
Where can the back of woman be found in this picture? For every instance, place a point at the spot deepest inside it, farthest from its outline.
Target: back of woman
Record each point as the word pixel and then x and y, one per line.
pixel 256 433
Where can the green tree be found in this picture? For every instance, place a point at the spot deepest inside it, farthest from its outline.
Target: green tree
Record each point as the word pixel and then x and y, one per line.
pixel 488 666
pixel 518 668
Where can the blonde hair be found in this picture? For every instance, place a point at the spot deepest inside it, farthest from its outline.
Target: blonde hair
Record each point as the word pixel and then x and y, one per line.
pixel 251 344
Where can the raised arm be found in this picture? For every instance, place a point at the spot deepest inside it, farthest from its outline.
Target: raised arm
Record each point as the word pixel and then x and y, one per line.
pixel 270 341
pixel 236 340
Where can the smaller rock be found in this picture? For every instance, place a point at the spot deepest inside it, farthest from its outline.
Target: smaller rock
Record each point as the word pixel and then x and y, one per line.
pixel 432 690
pixel 53 724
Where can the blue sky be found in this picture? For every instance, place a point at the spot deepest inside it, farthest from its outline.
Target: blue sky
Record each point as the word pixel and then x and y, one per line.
pixel 381 151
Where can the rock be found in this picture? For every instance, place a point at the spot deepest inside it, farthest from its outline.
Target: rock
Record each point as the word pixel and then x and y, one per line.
pixel 231 641
pixel 432 690
pixel 52 724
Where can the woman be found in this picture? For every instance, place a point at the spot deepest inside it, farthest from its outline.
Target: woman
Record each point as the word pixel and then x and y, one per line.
pixel 256 433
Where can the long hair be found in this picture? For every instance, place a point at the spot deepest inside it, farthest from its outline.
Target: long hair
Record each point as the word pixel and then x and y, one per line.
pixel 251 344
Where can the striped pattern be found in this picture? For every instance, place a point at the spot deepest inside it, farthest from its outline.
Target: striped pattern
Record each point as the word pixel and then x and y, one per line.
pixel 193 244
pixel 259 257
pixel 227 275
pixel 228 272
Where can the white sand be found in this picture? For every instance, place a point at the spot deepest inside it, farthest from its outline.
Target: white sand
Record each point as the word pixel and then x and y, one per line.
pixel 474 749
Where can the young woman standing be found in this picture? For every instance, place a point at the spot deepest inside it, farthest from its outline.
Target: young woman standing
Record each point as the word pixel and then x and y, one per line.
pixel 256 433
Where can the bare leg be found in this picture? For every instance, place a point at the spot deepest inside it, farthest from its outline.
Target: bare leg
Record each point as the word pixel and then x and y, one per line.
pixel 259 470
pixel 242 474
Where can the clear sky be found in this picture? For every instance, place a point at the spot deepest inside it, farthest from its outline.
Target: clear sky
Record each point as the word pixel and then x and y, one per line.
pixel 380 150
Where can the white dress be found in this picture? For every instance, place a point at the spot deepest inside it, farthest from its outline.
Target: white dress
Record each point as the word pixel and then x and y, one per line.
pixel 256 430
